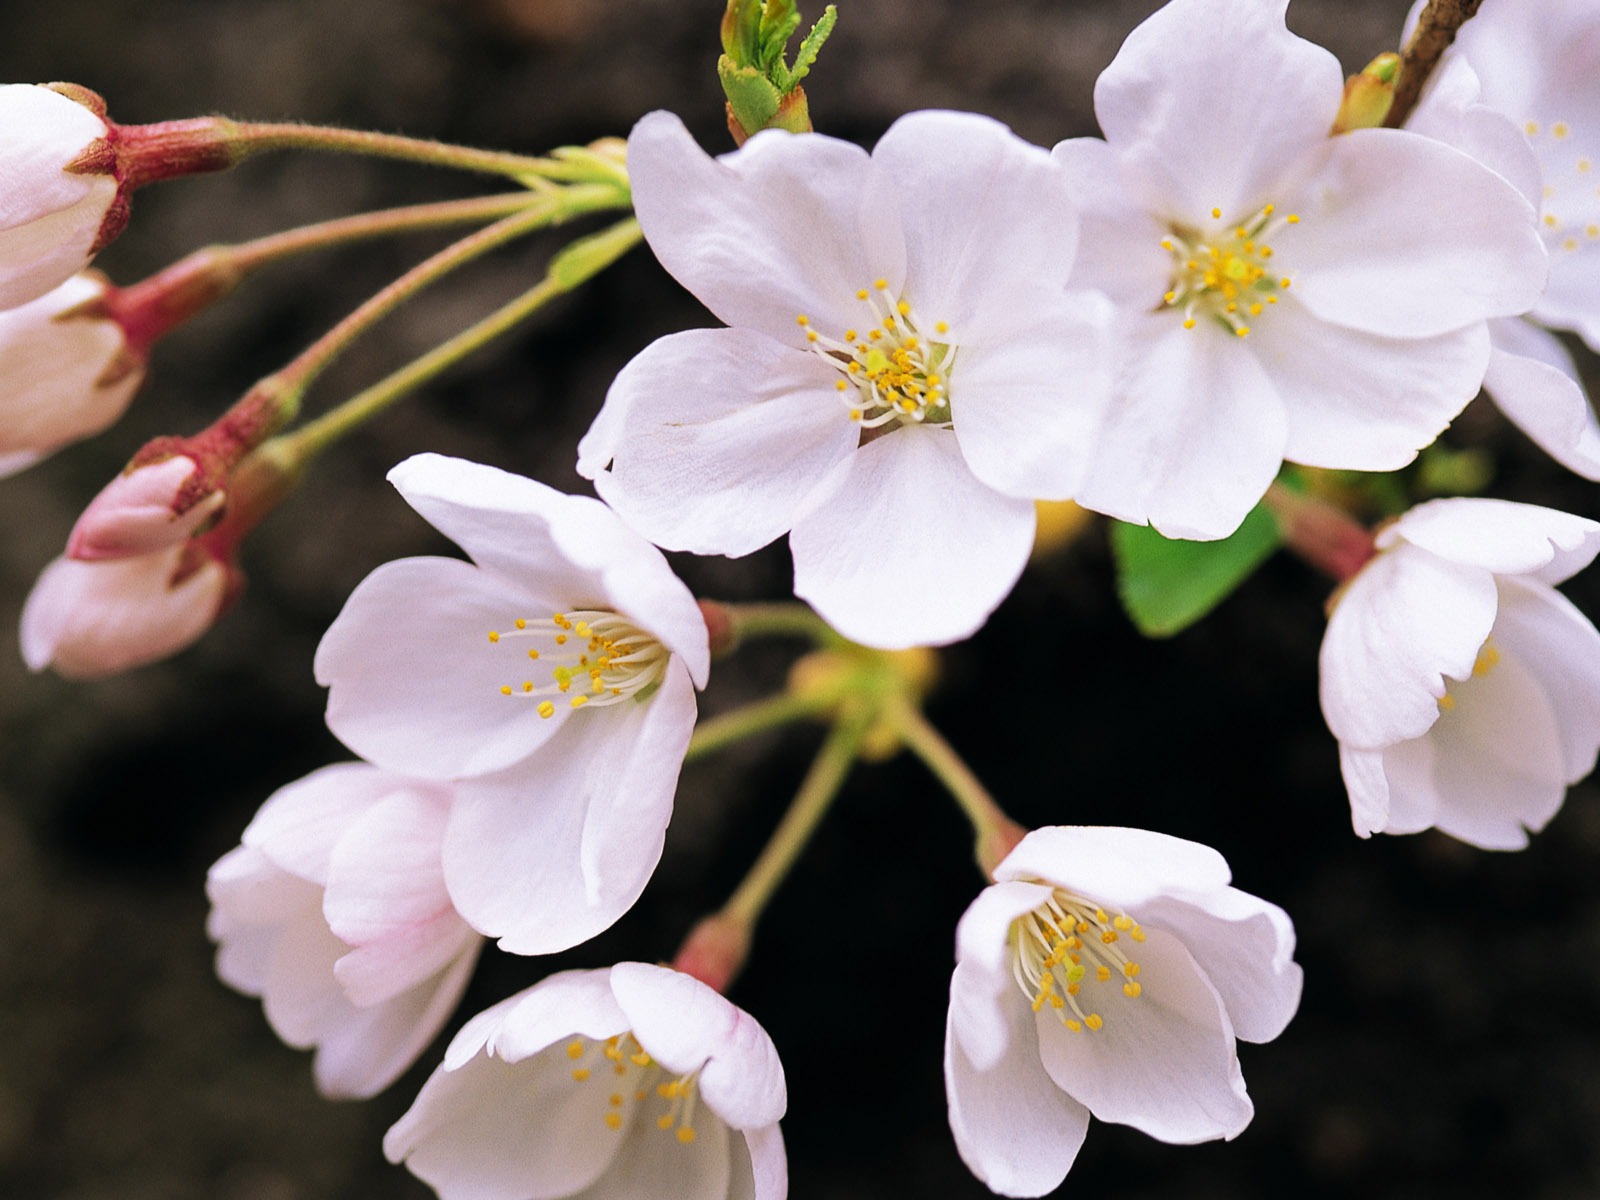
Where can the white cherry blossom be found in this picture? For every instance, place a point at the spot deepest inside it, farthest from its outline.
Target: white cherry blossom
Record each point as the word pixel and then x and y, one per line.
pixel 903 374
pixel 1283 294
pixel 1107 972
pixel 554 675
pixel 1463 689
pixel 333 910
pixel 629 1083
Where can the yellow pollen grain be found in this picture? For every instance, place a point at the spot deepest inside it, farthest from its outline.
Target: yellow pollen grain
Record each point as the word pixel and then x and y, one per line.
pixel 802 320
pixel 1293 218
pixel 1447 702
pixel 1531 129
pixel 505 689
pixel 546 709
pixel 613 1120
pixel 1216 214
pixel 1550 220
pixel 1188 323
pixel 940 327
pixel 493 636
pixel 881 284
pixel 1570 243
pixel 579 701
pixel 1075 1027
pixel 1559 129
pixel 521 624
pixel 575 1050
pixel 841 386
pixel 1591 230
pixel 862 294
pixel 580 1073
pixel 1130 969
pixel 686 1135
pixel 1093 1021
pixel 1242 331
pixel 527 685
pixel 664 1121
pixel 1131 990
pixel 533 654
pixel 1102 973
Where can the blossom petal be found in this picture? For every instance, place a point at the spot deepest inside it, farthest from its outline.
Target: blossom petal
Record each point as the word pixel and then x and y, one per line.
pixel 760 1168
pixel 1405 622
pixel 1404 236
pixel 983 975
pixel 565 1005
pixel 1361 402
pixel 1195 435
pixel 1014 1128
pixel 714 438
pixel 1368 785
pixel 1231 151
pixel 1119 868
pixel 651 1164
pixel 1543 398
pixel 1119 247
pixel 1501 536
pixel 299 825
pixel 903 546
pixel 786 225
pixel 1164 1062
pixel 1546 632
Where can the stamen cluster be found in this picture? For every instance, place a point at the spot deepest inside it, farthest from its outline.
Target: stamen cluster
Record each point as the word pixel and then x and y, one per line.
pixel 610 658
pixel 636 1074
pixel 897 374
pixel 1064 942
pixel 1226 276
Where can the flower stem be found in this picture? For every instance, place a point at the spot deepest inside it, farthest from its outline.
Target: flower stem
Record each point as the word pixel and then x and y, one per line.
pixel 779 620
pixel 1322 534
pixel 1436 29
pixel 727 728
pixel 251 137
pixel 578 262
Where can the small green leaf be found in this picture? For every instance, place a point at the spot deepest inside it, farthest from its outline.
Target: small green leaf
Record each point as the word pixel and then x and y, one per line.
pixel 812 46
pixel 1167 585
pixel 750 94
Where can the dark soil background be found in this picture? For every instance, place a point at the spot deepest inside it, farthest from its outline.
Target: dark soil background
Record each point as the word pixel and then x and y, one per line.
pixel 1449 1039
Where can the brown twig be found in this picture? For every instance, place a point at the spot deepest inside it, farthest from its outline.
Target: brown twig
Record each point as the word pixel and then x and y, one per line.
pixel 1435 30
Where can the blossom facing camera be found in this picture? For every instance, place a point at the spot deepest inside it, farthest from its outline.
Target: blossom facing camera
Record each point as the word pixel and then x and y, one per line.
pixel 146 508
pixel 622 1083
pixel 1107 972
pixel 66 372
pixel 553 676
pixel 902 376
pixel 1283 294
pixel 88 620
pixel 1463 688
pixel 56 210
pixel 333 910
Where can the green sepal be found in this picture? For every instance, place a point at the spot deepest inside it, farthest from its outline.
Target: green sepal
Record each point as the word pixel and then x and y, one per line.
pixel 1167 585
pixel 751 95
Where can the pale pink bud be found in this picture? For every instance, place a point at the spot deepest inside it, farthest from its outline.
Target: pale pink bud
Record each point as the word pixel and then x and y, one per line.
pixel 86 620
pixel 146 508
pixel 57 196
pixel 66 371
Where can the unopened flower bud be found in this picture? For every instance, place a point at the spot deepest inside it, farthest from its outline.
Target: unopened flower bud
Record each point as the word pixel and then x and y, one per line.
pixel 146 508
pixel 66 371
pixel 56 195
pixel 1369 95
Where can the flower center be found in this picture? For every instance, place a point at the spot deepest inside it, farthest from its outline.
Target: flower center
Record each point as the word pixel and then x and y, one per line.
pixel 591 657
pixel 1570 213
pixel 891 369
pixel 1488 656
pixel 635 1077
pixel 1225 275
pixel 1069 943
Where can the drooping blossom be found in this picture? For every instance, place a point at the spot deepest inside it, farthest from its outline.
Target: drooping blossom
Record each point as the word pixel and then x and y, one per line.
pixel 617 1084
pixel 1284 294
pixel 903 374
pixel 334 911
pixel 554 674
pixel 63 376
pixel 143 509
pixel 1464 690
pixel 52 208
pixel 1107 972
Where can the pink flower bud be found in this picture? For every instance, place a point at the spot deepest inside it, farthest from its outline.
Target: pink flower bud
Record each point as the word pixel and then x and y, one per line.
pixel 144 509
pixel 87 620
pixel 56 195
pixel 66 371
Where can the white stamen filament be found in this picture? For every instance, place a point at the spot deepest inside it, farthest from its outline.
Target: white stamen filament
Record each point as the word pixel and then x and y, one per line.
pixel 591 657
pixel 1065 943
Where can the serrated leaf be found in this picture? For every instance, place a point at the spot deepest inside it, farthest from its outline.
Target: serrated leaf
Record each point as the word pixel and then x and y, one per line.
pixel 750 94
pixel 1167 585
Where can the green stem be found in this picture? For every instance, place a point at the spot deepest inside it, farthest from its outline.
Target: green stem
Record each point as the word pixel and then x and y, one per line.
pixel 577 263
pixel 817 793
pixel 727 728
pixel 253 137
pixel 779 620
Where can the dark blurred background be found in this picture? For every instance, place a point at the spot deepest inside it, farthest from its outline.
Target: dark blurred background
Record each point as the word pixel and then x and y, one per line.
pixel 1449 1039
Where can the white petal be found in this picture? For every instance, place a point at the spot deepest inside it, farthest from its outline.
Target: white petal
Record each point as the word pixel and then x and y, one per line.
pixel 1210 102
pixel 1501 536
pixel 652 1164
pixel 714 437
pixel 1195 435
pixel 565 1005
pixel 1406 237
pixel 760 1169
pixel 1405 622
pixel 982 931
pixel 1164 1062
pixel 904 546
pixel 1014 1128
pixel 1120 868
pixel 1119 247
pixel 683 1024
pixel 299 825
pixel 1545 401
pixel 786 225
pixel 1361 402
pixel 1560 646
pixel 982 987
pixel 1028 406
pixel 1368 784
pixel 1449 112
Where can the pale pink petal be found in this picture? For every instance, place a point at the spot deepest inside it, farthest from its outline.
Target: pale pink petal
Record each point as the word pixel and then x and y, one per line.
pixel 1164 1062
pixel 384 874
pixel 299 825
pixel 1119 249
pixel 981 933
pixel 1501 536
pixel 1560 646
pixel 1368 784
pixel 652 1164
pixel 1119 868
pixel 903 546
pixel 135 513
pixel 1013 1127
pixel 983 978
pixel 760 1169
pixel 1543 399
pixel 717 438
pixel 1449 112
pixel 788 225
pixel 1210 102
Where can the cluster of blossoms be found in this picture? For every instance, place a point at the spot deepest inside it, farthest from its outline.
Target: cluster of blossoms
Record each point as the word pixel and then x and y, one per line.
pixel 919 344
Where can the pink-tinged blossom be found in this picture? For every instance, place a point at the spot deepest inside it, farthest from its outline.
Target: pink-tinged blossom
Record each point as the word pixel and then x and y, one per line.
pixel 143 509
pixel 1284 294
pixel 334 911
pixel 903 372
pixel 63 375
pixel 1107 972
pixel 617 1084
pixel 554 674
pixel 51 215
pixel 1464 690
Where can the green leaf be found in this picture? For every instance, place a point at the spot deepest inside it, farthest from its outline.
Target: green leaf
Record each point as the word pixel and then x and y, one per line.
pixel 750 94
pixel 1168 585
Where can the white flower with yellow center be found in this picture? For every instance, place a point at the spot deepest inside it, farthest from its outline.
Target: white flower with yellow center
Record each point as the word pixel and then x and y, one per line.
pixel 1281 293
pixel 1463 689
pixel 626 1083
pixel 904 371
pixel 553 675
pixel 1107 972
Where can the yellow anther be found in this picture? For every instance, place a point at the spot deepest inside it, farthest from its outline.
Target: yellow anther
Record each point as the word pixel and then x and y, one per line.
pixel 862 294
pixel 493 636
pixel 1082 927
pixel 664 1121
pixel 1284 281
pixel 811 335
pixel 613 1120
pixel 1584 166
pixel 1550 220
pixel 640 1095
pixel 561 639
pixel 546 709
pixel 1131 990
pixel 1559 129
pixel 1216 214
pixel 1531 129
pixel 881 284
pixel 521 624
pixel 941 327
pixel 1130 969
pixel 685 1134
pixel 1255 310
pixel 1074 1026
pixel 1093 1021
pixel 505 689
pixel 902 308
pixel 1102 973
pixel 1591 231
pixel 1447 702
pixel 575 1050
pixel 1122 922
pixel 802 320
pixel 1188 322
pixel 1242 331
pixel 641 1059
pixel 1170 297
pixel 1109 936
pixel 1136 934
pixel 666 1090
pixel 580 1073
pixel 527 685
pixel 615 1100
pixel 1269 210
pixel 1293 218
pixel 533 654
pixel 579 701
pixel 1058 1002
